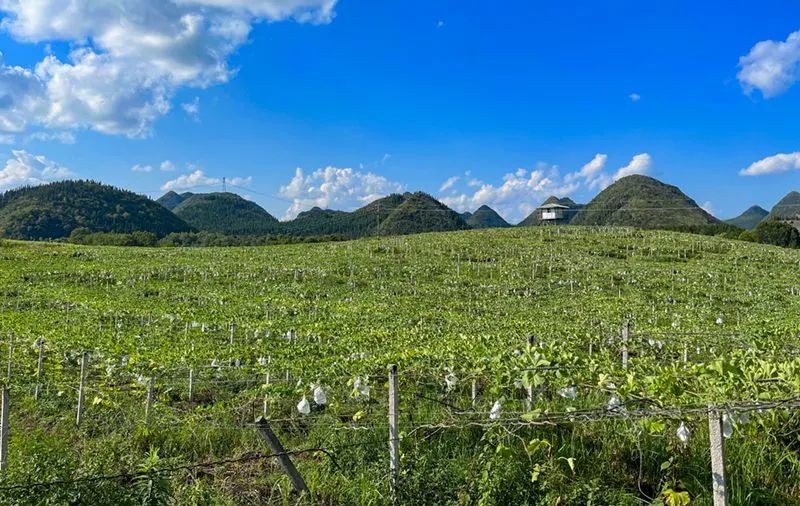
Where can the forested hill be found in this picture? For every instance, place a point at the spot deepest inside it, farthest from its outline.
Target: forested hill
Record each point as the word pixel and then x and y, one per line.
pixel 643 202
pixel 749 219
pixel 54 210
pixel 486 217
pixel 396 214
pixel 171 200
pixel 787 209
pixel 225 213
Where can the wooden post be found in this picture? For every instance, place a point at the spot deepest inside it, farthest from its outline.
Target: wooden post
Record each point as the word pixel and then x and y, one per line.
pixel 717 446
pixel 394 437
pixel 266 397
pixel 4 431
pixel 191 384
pixel 625 334
pixel 474 393
pixel 39 369
pixel 84 363
pixel 284 461
pixel 529 393
pixel 10 362
pixel 149 402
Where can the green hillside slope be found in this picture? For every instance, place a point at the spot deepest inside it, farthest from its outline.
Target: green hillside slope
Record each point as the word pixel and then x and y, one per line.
pixel 54 210
pixel 787 209
pixel 226 213
pixel 171 200
pixel 644 202
pixel 486 217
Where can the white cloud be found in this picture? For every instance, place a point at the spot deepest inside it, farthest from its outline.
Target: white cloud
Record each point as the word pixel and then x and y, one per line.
pixel 708 207
pixel 634 97
pixel 142 168
pixel 522 191
pixel 28 169
pixel 440 24
pixel 192 109
pixel 449 183
pixel 337 188
pixel 591 173
pixel 771 66
pixel 64 137
pixel 198 178
pixel 639 164
pixel 128 58
pixel 7 139
pixel 775 164
pixel 167 166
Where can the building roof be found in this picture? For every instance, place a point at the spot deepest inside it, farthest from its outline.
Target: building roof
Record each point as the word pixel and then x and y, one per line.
pixel 553 206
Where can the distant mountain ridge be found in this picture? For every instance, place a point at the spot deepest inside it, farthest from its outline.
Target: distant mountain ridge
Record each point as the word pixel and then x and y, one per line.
pixel 643 202
pixel 749 219
pixel 54 210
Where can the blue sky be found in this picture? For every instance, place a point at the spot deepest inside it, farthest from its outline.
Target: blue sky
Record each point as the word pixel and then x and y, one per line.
pixel 506 101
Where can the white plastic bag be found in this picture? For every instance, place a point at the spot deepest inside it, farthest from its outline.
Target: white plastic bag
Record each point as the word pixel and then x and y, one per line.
pixel 683 433
pixel 494 414
pixel 568 392
pixel 319 396
pixel 361 387
pixel 304 407
pixel 450 381
pixel 727 426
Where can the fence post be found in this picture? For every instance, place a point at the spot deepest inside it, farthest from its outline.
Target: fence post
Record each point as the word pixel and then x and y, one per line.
pixel 394 439
pixel 474 392
pixel 39 369
pixel 10 362
pixel 266 395
pixel 717 446
pixel 191 384
pixel 626 327
pixel 149 402
pixel 685 352
pixel 529 394
pixel 284 461
pixel 4 431
pixel 84 361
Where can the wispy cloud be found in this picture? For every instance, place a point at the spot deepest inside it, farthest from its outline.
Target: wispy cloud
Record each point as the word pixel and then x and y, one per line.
pixel 192 109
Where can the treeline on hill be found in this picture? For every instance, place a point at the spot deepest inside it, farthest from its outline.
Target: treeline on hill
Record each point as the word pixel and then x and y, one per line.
pixel 54 210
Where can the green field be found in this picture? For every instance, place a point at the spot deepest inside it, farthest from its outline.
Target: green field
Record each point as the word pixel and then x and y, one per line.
pixel 452 310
